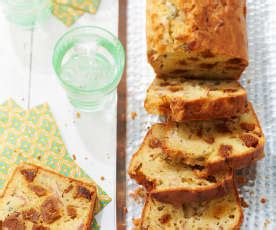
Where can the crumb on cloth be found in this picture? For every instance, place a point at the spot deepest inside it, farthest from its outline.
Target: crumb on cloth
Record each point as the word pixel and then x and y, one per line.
pixel 263 200
pixel 136 221
pixel 138 194
pixel 244 204
pixel 266 223
pixel 133 115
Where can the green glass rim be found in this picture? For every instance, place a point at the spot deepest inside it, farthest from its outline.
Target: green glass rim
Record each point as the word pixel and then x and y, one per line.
pixel 25 4
pixel 105 89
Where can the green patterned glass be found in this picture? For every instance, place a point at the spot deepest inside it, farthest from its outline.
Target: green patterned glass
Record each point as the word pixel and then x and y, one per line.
pixel 27 13
pixel 89 63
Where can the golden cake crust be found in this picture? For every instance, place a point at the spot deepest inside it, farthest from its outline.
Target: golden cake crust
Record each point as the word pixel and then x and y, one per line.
pixel 234 143
pixel 157 215
pixel 181 99
pixel 49 199
pixel 208 30
pixel 198 187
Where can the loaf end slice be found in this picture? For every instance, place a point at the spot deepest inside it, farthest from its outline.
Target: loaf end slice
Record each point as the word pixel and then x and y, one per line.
pixel 36 198
pixel 182 99
pixel 203 39
pixel 173 182
pixel 216 145
pixel 220 213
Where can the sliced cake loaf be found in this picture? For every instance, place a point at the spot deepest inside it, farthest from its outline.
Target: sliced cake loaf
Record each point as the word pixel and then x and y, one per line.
pixel 172 182
pixel 197 39
pixel 235 142
pixel 38 199
pixel 221 213
pixel 182 99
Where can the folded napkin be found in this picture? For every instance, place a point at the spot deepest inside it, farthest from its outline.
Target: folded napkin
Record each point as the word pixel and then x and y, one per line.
pixel 68 11
pixel 33 136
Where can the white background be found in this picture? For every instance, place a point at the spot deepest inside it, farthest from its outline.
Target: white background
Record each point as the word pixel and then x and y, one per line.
pixel 28 77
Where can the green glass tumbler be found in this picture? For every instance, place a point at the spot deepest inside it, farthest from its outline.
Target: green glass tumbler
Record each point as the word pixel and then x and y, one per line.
pixel 27 13
pixel 89 62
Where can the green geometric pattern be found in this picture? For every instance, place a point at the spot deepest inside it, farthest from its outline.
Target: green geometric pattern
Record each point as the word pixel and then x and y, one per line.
pixel 33 136
pixel 69 11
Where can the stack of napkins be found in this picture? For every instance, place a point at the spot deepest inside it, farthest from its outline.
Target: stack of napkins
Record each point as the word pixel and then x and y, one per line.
pixel 33 136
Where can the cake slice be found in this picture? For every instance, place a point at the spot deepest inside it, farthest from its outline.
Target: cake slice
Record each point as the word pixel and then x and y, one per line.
pixel 38 199
pixel 217 144
pixel 220 213
pixel 197 39
pixel 173 182
pixel 182 99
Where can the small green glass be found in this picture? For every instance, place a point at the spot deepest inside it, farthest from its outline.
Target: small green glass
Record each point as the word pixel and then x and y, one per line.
pixel 89 62
pixel 27 13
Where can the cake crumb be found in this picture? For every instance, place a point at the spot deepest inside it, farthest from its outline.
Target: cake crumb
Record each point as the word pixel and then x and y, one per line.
pixel 266 223
pixel 248 81
pixel 244 204
pixel 263 200
pixel 133 115
pixel 102 178
pixel 74 157
pixel 136 221
pixel 78 115
pixel 138 194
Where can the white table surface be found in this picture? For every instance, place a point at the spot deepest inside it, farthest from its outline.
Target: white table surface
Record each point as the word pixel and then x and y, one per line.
pixel 28 77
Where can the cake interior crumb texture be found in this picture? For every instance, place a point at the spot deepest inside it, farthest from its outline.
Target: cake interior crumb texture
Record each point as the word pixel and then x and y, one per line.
pixel 38 199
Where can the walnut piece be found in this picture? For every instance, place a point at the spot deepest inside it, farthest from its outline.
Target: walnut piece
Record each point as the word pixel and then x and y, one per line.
pixel 249 140
pixel 31 215
pixel 29 174
pixel 68 189
pixel 72 211
pixel 225 150
pixel 38 190
pixel 247 126
pixel 154 143
pixel 83 192
pixel 165 218
pixel 50 210
pixel 14 222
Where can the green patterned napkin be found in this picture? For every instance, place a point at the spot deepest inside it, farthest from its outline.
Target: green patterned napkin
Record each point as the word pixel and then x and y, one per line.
pixel 68 11
pixel 33 136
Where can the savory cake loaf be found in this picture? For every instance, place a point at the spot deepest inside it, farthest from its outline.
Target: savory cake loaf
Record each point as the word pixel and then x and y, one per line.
pixel 217 144
pixel 221 213
pixel 38 199
pixel 172 182
pixel 197 39
pixel 183 99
